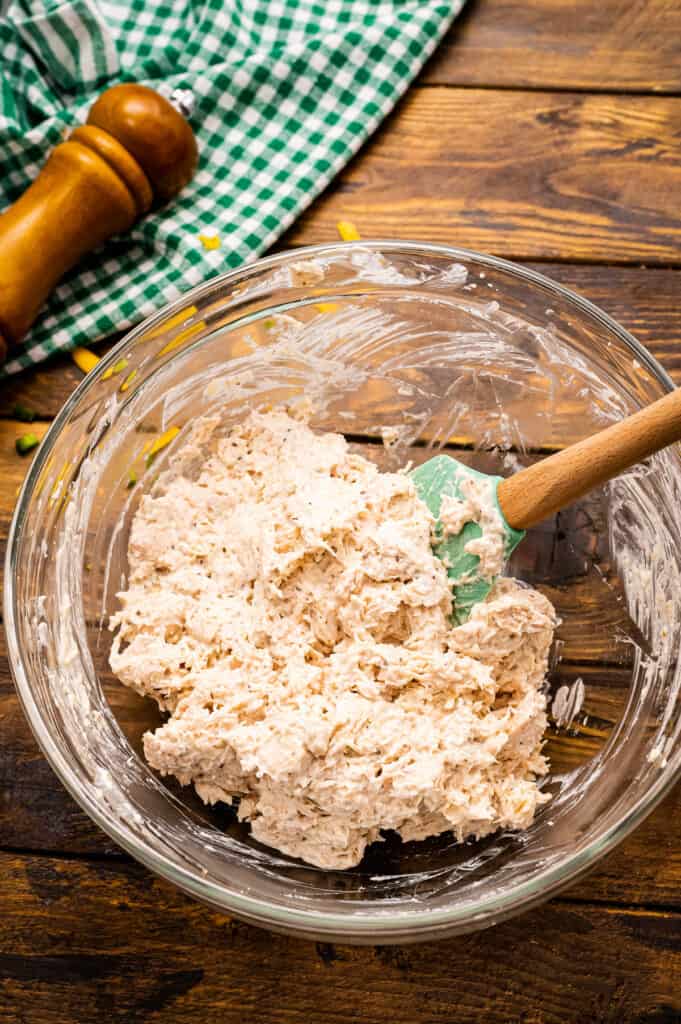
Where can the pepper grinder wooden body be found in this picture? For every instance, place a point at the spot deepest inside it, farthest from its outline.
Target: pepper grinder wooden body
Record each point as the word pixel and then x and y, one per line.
pixel 135 151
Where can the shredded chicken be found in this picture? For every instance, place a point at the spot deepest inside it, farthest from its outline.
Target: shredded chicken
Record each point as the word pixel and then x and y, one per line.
pixel 477 505
pixel 287 611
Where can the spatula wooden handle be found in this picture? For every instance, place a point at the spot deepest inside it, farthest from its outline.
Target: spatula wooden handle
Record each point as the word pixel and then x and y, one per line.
pixel 136 149
pixel 541 490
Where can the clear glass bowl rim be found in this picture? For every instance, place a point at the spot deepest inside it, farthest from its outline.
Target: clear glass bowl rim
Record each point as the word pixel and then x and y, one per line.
pixel 489 909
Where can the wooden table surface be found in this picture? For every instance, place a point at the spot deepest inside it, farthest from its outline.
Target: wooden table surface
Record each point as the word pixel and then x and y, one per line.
pixel 545 131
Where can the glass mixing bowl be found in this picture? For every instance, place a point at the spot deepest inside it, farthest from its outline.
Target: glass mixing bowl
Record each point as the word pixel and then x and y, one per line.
pixel 457 351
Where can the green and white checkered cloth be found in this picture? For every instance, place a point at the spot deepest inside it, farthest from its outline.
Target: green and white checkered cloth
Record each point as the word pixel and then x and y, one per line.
pixel 286 91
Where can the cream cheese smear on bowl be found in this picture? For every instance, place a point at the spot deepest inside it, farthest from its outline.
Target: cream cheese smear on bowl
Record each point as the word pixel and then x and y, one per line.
pixel 286 609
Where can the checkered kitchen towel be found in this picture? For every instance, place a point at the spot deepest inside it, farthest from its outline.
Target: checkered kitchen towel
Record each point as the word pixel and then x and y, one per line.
pixel 286 91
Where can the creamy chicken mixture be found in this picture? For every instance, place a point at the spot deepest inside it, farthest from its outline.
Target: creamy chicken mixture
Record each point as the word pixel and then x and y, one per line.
pixel 477 505
pixel 285 608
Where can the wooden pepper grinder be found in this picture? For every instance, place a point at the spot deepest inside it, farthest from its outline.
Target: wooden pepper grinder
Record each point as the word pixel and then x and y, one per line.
pixel 136 150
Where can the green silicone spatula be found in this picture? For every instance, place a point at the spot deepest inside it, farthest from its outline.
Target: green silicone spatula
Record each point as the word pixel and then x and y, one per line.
pixel 539 491
pixel 442 476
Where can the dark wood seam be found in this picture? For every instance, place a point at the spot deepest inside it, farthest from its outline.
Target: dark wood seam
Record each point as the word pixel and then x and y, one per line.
pixel 556 90
pixel 122 859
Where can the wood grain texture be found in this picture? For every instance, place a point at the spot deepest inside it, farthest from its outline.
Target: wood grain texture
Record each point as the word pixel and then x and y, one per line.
pixel 644 301
pixel 543 489
pixel 45 387
pixel 610 45
pixel 36 813
pixel 520 174
pixel 587 180
pixel 13 468
pixel 590 615
pixel 78 941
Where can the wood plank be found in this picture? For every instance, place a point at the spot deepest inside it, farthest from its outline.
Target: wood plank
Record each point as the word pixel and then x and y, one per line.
pixel 520 174
pixel 589 609
pixel 644 301
pixel 549 44
pixel 77 939
pixel 36 813
pixel 43 389
pixel 13 468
